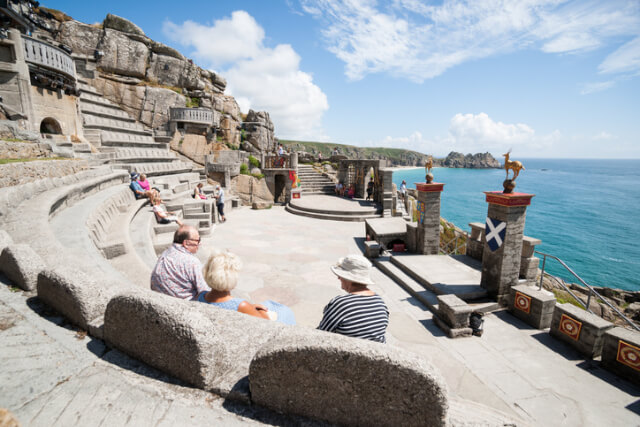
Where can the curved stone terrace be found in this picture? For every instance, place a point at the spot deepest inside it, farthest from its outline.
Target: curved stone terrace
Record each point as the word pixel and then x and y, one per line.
pixel 53 374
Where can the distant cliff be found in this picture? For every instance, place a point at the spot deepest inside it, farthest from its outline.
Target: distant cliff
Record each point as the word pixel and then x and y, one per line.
pixel 395 156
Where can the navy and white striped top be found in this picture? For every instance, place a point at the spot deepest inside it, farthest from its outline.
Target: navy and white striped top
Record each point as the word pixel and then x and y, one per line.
pixel 359 316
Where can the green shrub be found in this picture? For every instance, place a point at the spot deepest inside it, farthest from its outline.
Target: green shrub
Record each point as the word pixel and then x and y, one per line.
pixel 244 169
pixel 254 162
pixel 257 175
pixel 193 102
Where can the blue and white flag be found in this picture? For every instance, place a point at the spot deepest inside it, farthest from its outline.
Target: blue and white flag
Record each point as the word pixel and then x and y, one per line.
pixel 494 232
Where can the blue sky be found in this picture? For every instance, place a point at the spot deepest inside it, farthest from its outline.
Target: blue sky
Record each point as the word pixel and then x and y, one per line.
pixel 545 78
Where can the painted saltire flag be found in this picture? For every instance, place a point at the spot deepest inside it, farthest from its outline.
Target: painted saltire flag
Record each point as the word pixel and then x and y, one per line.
pixel 494 232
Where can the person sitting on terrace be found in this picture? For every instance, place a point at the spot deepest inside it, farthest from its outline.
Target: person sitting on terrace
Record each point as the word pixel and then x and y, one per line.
pixel 178 273
pixel 339 189
pixel 198 194
pixel 403 189
pixel 162 216
pixel 221 274
pixel 361 313
pixel 140 192
pixel 144 183
pixel 351 193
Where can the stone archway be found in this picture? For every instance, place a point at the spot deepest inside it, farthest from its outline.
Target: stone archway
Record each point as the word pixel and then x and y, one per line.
pixel 50 125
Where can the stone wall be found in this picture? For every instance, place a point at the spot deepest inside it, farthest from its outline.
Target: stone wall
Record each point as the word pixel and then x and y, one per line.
pixel 24 150
pixel 52 104
pixel 21 173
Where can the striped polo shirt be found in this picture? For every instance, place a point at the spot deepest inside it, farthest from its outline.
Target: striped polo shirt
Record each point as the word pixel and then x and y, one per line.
pixel 359 316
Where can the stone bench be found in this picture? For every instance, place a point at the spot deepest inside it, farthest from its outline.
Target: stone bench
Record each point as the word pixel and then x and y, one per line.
pixel 621 353
pixel 577 327
pixel 453 316
pixel 533 306
pixel 242 357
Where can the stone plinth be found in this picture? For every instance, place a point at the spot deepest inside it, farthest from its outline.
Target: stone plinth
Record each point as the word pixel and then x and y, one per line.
pixel 621 353
pixel 428 236
pixel 529 263
pixel 579 328
pixel 453 316
pixel 502 251
pixel 531 305
pixel 371 249
pixel 475 243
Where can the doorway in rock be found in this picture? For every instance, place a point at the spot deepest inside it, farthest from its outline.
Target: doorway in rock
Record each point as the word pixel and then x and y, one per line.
pixel 50 126
pixel 280 183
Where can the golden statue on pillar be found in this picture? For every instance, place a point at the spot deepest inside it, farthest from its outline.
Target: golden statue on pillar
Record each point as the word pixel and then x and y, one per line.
pixel 428 165
pixel 515 166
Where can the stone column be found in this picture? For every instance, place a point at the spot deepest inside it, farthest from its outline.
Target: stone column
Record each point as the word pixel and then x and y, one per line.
pixel 294 161
pixel 504 228
pixel 24 80
pixel 387 191
pixel 428 238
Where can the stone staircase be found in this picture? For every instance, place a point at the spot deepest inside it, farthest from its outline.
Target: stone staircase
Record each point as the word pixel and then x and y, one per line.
pixel 313 182
pixel 425 292
pixel 124 143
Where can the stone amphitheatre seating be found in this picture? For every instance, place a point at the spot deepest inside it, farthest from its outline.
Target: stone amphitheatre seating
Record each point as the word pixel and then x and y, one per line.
pixel 237 356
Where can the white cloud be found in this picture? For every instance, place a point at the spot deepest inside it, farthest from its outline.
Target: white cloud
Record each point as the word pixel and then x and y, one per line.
pixel 625 59
pixel 479 133
pixel 596 87
pixel 258 76
pixel 416 40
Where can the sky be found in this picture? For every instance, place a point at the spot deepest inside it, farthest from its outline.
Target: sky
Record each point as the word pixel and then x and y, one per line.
pixel 542 78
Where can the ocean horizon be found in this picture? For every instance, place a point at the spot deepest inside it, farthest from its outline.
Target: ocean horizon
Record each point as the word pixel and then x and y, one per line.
pixel 583 211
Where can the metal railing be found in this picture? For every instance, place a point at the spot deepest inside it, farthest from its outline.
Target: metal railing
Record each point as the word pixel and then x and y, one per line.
pixel 454 246
pixel 592 292
pixel 277 162
pixel 45 55
pixel 193 115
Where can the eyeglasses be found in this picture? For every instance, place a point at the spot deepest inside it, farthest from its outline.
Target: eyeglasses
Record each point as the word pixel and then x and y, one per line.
pixel 197 242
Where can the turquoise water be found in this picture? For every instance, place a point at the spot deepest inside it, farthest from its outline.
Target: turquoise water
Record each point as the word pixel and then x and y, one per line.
pixel 584 211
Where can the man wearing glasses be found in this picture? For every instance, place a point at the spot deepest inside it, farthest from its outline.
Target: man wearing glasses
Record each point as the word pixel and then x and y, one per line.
pixel 178 272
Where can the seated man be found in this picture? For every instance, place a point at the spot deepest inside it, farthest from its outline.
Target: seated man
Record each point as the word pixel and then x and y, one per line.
pixel 178 272
pixel 162 216
pixel 339 189
pixel 139 191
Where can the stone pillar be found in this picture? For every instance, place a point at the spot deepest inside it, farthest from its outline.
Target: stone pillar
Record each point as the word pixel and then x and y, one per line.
pixel 428 239
pixel 294 161
pixel 24 80
pixel 502 252
pixel 387 191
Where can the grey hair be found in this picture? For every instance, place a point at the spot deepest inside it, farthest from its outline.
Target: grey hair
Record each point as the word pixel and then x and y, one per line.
pixel 221 270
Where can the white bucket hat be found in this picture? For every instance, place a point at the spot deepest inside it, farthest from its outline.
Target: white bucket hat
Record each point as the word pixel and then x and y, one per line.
pixel 354 268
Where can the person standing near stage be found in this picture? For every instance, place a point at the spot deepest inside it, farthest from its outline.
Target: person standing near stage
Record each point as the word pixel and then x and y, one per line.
pixel 220 202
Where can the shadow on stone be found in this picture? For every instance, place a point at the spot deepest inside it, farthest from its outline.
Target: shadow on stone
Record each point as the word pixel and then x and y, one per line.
pixel 558 346
pixel 510 319
pixel 634 407
pixel 123 361
pixel 430 326
pixel 360 242
pixel 47 313
pixel 595 368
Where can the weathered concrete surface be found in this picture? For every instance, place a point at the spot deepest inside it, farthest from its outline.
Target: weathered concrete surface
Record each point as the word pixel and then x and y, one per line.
pixel 347 381
pixel 53 375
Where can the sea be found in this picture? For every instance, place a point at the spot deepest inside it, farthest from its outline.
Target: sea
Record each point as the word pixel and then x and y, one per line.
pixel 586 212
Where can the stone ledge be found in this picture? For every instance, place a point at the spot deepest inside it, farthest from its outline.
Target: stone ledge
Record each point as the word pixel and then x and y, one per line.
pixel 21 265
pixel 533 306
pixel 621 353
pixel 586 337
pixel 348 381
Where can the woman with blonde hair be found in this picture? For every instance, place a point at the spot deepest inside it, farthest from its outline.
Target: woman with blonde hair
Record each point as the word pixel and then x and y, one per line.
pixel 221 274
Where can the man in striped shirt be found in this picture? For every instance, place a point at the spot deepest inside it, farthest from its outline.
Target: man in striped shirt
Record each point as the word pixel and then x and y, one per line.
pixel 361 313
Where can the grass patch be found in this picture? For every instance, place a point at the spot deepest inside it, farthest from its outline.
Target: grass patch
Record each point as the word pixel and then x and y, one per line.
pixel 18 140
pixel 563 297
pixel 6 161
pixel 254 162
pixel 193 102
pixel 152 83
